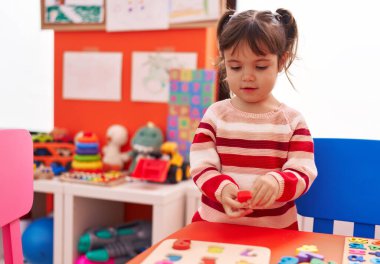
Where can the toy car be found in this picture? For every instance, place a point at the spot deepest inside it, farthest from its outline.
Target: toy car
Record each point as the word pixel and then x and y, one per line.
pixel 42 137
pixel 169 167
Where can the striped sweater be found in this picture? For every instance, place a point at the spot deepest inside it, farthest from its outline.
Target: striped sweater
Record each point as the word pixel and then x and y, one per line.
pixel 231 146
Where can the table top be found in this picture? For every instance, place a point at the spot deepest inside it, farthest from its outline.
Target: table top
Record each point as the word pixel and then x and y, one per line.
pixel 133 191
pixel 280 242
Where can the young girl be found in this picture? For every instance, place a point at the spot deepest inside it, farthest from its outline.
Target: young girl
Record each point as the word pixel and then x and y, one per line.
pixel 252 141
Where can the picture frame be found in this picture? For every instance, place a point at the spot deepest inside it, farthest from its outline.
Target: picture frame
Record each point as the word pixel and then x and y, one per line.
pixel 93 18
pixel 201 22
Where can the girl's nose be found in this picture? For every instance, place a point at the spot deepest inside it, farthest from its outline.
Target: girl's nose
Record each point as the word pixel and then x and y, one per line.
pixel 248 76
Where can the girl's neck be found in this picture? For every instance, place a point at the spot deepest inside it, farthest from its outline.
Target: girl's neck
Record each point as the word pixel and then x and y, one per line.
pixel 268 105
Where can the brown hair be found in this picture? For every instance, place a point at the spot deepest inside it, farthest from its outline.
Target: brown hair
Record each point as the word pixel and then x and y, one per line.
pixel 264 31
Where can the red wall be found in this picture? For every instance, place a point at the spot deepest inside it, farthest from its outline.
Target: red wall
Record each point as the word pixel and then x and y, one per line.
pixel 97 116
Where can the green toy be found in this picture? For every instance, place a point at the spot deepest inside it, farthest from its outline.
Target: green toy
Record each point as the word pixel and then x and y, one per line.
pixel 146 142
pixel 112 242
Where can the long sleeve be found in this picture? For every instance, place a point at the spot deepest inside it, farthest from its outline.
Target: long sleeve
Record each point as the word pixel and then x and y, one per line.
pixel 299 171
pixel 205 163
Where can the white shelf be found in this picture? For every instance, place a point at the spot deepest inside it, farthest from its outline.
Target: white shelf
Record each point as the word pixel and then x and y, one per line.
pixel 79 206
pixel 55 187
pixel 48 186
pixel 133 192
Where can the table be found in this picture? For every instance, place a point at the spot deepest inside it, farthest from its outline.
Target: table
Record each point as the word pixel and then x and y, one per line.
pixel 281 242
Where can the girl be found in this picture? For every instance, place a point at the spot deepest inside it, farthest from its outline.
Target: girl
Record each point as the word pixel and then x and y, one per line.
pixel 252 141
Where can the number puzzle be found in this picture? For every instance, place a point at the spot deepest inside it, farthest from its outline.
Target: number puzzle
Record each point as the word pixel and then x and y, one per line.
pixel 361 250
pixel 182 251
pixel 191 92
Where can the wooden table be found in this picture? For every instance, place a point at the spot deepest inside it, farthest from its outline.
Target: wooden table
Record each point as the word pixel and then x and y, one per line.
pixel 281 242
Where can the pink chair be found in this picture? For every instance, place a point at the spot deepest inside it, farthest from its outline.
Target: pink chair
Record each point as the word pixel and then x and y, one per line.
pixel 16 188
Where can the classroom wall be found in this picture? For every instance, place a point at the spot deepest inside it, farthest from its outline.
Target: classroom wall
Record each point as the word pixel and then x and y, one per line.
pixel 97 116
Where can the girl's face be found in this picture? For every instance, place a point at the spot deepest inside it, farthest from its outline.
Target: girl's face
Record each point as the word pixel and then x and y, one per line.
pixel 251 77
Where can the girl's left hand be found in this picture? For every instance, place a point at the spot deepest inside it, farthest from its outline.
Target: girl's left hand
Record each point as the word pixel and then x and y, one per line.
pixel 264 192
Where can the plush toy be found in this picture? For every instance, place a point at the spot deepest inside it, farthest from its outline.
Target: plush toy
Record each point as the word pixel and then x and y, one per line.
pixel 146 142
pixel 113 158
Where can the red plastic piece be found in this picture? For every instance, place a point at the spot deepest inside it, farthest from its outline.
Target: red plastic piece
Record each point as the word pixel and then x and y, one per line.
pixel 208 260
pixel 182 244
pixel 151 169
pixel 244 196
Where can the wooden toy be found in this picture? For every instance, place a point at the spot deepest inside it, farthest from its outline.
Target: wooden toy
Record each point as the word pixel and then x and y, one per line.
pixel 182 251
pixel 361 250
pixel 307 248
pixel 110 178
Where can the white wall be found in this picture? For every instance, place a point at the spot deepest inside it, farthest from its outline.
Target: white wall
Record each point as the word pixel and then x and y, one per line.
pixel 26 67
pixel 337 74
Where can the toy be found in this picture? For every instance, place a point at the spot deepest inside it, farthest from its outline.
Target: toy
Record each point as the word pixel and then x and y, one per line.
pixel 169 166
pixel 113 158
pixel 83 260
pixel 122 241
pixel 37 241
pixel 61 135
pixel 87 156
pixel 109 178
pixel 47 153
pixel 43 172
pixel 193 251
pixel 146 142
pixel 244 196
pixel 361 250
pixel 305 254
pixel 179 168
pixel 42 137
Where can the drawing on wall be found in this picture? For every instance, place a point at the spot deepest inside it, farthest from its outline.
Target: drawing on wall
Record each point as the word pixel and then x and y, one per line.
pixel 92 76
pixel 74 11
pixel 124 15
pixel 182 11
pixel 150 73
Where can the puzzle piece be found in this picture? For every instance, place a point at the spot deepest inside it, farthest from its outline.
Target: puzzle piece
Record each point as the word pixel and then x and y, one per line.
pixel 307 248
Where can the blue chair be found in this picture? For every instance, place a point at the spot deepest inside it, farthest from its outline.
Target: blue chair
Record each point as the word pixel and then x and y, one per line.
pixel 347 187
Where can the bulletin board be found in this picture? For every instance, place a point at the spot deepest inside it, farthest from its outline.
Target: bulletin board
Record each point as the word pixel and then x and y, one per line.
pixel 180 18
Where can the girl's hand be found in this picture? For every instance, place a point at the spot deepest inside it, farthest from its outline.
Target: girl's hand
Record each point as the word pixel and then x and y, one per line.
pixel 232 207
pixel 264 191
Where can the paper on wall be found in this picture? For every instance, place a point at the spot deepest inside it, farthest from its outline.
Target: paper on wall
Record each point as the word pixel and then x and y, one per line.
pixel 150 73
pixel 92 76
pixel 137 15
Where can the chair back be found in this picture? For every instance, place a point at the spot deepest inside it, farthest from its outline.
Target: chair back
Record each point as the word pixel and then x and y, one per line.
pixel 347 186
pixel 16 188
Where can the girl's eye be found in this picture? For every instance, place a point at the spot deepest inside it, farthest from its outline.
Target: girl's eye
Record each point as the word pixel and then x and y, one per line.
pixel 261 68
pixel 235 68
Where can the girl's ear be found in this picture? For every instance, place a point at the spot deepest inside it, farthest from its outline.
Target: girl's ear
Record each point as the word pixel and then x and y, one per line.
pixel 282 62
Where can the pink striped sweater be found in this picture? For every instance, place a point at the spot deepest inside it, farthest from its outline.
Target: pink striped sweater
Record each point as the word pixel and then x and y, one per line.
pixel 231 146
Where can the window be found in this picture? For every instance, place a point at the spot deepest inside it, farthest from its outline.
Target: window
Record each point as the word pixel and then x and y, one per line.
pixel 336 75
pixel 26 68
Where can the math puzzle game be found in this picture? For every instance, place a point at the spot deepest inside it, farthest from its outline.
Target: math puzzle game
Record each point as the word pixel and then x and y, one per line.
pixel 191 93
pixel 361 250
pixel 181 251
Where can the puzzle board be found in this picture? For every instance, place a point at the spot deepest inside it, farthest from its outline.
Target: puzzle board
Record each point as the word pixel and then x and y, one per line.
pixel 361 250
pixel 191 93
pixel 203 252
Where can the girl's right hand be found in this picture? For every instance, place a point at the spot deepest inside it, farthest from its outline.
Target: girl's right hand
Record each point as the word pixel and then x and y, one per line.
pixel 232 207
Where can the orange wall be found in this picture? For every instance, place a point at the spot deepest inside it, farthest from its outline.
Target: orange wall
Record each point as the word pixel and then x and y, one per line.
pixel 97 116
